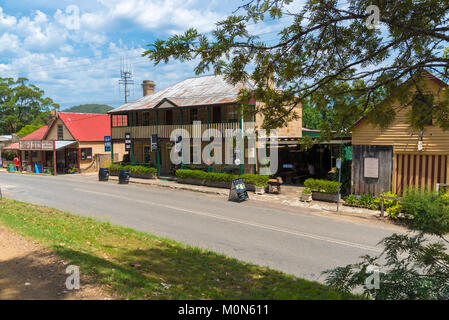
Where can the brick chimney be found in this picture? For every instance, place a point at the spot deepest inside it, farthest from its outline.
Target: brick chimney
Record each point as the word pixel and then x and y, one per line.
pixel 148 87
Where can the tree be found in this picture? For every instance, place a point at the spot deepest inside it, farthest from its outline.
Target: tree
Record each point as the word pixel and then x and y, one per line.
pixel 413 265
pixel 26 130
pixel 90 108
pixel 22 104
pixel 330 51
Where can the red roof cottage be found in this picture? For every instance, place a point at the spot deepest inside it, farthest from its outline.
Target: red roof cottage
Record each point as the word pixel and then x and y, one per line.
pixel 71 142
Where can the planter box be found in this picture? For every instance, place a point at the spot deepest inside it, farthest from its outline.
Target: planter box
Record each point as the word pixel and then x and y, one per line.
pixel 259 190
pixel 136 175
pixel 143 175
pixel 218 184
pixel 321 196
pixel 306 197
pixel 192 181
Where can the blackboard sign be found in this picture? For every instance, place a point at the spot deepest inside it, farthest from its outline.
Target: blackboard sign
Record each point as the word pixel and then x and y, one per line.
pixel 238 191
pixel 127 141
pixel 154 146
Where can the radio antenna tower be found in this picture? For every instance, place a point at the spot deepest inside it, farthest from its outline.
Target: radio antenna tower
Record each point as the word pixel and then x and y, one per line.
pixel 126 76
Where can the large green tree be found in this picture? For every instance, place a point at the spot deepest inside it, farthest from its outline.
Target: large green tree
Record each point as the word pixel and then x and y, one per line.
pixel 330 53
pixel 22 104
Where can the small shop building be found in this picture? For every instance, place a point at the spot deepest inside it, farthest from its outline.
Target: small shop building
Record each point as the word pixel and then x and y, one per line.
pixel 71 142
pixel 399 157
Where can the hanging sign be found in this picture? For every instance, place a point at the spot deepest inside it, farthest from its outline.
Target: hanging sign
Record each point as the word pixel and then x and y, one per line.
pixel 107 143
pixel 238 192
pixel 127 141
pixel 154 144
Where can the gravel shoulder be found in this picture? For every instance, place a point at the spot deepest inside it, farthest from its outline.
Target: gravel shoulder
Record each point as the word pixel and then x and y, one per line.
pixel 29 271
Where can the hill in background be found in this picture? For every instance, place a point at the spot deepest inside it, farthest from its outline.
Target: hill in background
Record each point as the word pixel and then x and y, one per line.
pixel 89 108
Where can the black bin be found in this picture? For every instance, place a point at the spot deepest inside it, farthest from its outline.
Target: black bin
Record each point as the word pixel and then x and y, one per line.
pixel 103 174
pixel 123 177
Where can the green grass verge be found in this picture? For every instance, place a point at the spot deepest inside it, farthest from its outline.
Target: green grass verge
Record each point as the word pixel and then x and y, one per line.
pixel 136 265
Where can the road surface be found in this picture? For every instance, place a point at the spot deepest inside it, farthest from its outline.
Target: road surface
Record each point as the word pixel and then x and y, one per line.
pixel 295 240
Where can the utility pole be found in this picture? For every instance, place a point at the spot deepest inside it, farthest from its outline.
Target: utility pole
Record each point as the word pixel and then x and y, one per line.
pixel 126 76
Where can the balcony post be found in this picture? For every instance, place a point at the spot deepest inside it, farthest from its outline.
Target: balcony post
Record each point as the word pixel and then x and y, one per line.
pixel 242 152
pixel 132 140
pixel 208 127
pixel 180 119
pixel 112 143
pixel 157 152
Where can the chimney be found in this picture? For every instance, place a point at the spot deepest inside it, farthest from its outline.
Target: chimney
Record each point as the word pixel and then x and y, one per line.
pixel 148 87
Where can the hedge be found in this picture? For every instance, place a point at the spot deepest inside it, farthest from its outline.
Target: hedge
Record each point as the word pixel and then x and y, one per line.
pixel 319 185
pixel 255 179
pixel 133 169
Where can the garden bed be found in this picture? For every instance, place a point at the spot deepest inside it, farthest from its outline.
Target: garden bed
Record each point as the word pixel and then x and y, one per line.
pixel 134 171
pixel 323 196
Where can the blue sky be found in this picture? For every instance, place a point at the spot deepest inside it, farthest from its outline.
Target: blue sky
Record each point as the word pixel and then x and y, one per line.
pixel 77 61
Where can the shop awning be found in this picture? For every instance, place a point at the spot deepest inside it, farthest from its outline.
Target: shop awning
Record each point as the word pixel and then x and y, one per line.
pixel 62 144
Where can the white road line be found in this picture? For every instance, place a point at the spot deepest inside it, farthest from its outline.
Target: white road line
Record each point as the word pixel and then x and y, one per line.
pixel 244 222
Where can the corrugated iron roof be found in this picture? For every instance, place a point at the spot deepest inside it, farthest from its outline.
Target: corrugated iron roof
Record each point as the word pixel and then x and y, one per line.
pixel 190 92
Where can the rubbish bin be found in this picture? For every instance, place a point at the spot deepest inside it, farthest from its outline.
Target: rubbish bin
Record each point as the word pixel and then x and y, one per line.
pixel 103 174
pixel 123 176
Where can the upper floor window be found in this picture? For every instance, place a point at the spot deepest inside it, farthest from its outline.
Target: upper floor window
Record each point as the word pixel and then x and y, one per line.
pixel 146 119
pixel 119 120
pixel 193 114
pixel 216 115
pixel 60 132
pixel 169 117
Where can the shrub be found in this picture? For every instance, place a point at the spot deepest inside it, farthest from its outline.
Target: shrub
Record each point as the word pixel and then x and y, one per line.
pixel 427 212
pixel 255 179
pixel 133 169
pixel 352 199
pixel 367 201
pixel 319 185
pixel 394 211
pixel 190 174
pixel 387 202
pixel 306 191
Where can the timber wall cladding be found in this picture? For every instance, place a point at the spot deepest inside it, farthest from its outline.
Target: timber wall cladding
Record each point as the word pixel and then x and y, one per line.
pixel 374 186
pixel 419 171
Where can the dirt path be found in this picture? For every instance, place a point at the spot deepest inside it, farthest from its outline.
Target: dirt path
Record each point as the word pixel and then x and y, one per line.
pixel 29 271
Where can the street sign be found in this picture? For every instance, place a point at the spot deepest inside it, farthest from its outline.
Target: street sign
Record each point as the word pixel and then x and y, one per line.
pixel 154 144
pixel 238 192
pixel 127 141
pixel 338 163
pixel 107 143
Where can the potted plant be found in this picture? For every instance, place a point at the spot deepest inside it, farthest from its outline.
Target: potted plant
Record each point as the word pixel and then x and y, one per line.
pixel 259 188
pixel 306 195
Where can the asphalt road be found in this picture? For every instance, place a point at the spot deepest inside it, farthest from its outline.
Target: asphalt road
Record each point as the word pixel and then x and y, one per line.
pixel 298 241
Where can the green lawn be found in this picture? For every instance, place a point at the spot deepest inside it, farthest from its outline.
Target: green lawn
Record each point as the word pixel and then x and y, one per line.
pixel 136 265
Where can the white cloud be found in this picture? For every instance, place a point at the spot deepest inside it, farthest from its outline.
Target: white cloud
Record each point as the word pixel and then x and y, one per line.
pixel 6 22
pixel 9 42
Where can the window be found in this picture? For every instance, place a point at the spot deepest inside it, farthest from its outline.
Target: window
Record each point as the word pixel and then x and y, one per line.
pixel 233 114
pixel 193 115
pixel 120 120
pixel 147 154
pixel 86 154
pixel 216 115
pixel 146 119
pixel 169 117
pixel 60 132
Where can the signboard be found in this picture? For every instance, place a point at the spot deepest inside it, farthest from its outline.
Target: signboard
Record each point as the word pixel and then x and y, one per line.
pixel 238 191
pixel 154 145
pixel 338 163
pixel 371 168
pixel 36 145
pixel 107 143
pixel 127 141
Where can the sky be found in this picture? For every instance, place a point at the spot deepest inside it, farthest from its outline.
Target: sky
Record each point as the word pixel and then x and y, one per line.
pixel 73 49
